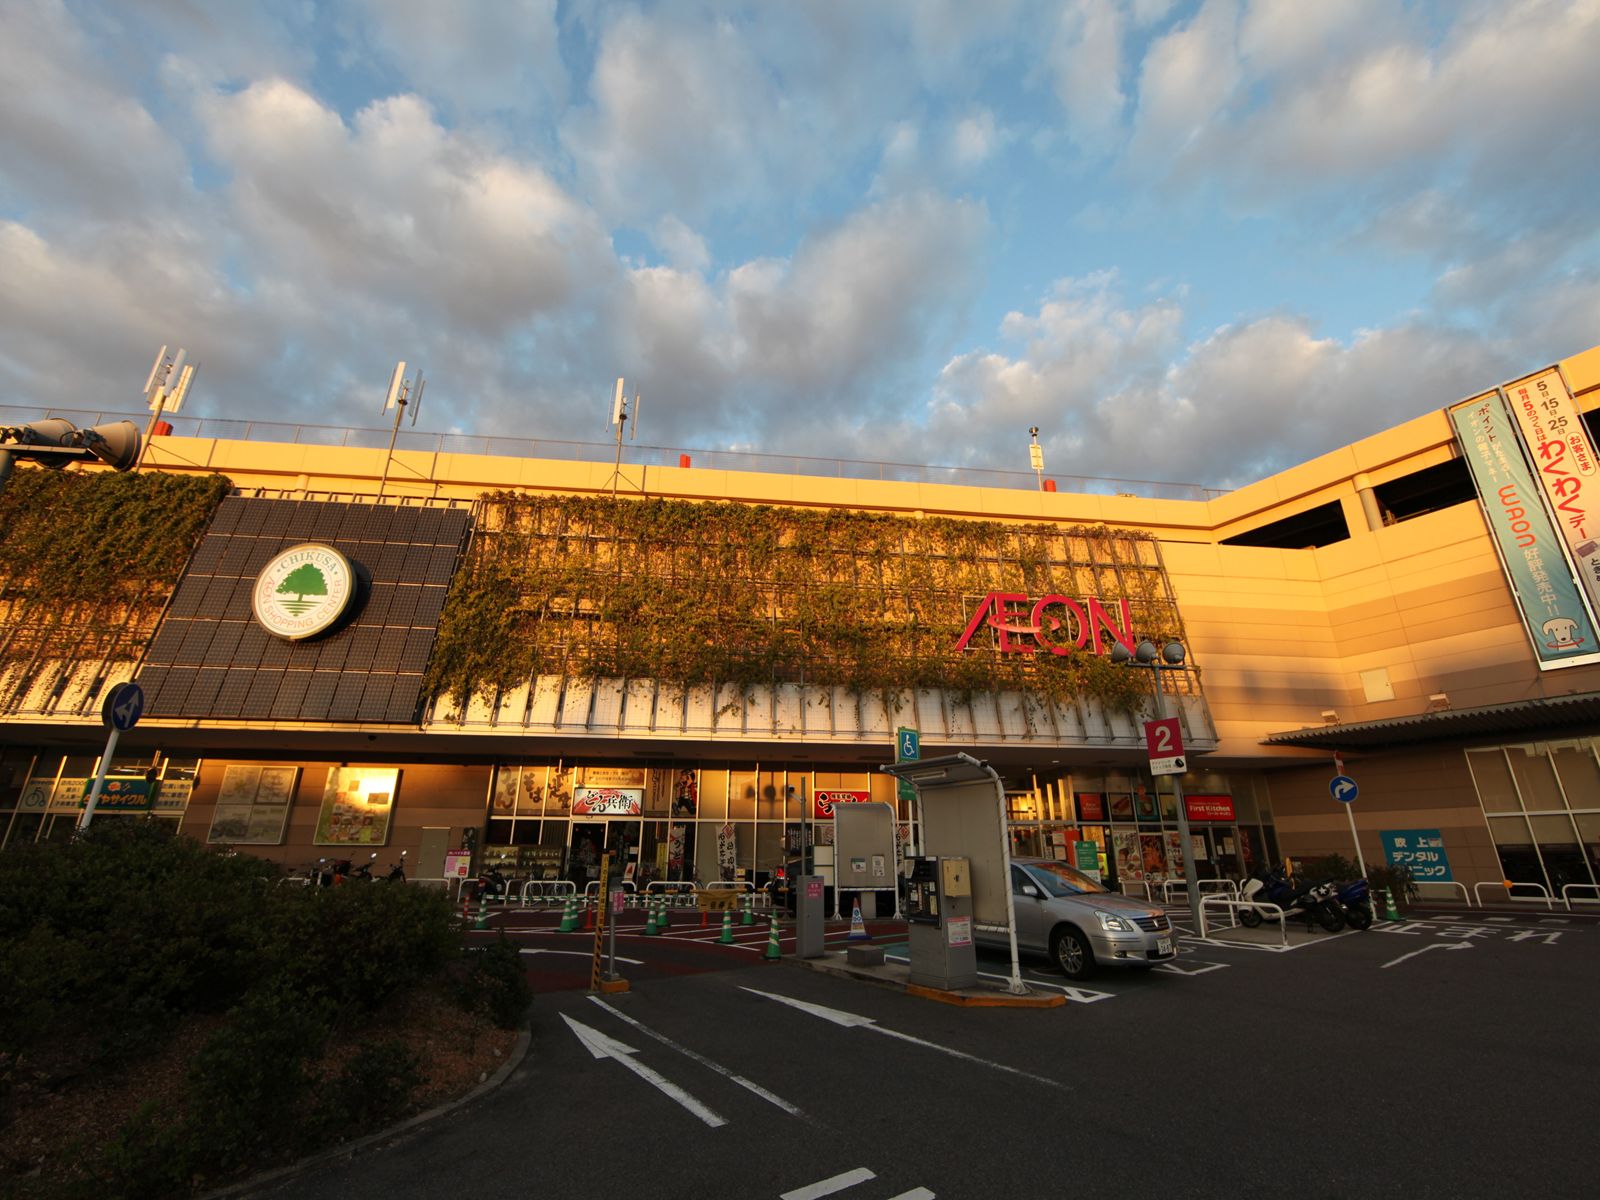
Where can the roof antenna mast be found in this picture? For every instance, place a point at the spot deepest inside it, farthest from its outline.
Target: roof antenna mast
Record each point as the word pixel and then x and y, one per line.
pixel 403 393
pixel 619 418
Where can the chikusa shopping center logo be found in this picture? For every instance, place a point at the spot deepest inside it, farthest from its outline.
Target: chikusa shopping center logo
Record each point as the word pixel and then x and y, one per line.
pixel 302 591
pixel 1054 623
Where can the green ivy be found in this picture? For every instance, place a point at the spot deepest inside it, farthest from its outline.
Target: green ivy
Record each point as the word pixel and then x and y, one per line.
pixel 88 559
pixel 696 593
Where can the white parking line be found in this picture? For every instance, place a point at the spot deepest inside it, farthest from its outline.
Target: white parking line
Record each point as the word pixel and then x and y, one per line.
pixel 827 1187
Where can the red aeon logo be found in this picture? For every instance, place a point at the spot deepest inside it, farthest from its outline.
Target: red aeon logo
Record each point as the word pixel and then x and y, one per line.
pixel 1055 623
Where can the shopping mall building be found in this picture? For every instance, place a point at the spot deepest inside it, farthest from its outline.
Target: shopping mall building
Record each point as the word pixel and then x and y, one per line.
pixel 537 658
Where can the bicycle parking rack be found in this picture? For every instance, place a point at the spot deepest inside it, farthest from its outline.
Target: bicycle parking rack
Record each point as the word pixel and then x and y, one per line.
pixel 679 893
pixel 1583 887
pixel 1266 908
pixel 1507 885
pixel 1226 887
pixel 552 893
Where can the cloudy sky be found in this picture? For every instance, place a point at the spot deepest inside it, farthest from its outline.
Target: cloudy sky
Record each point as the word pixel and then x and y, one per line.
pixel 1192 241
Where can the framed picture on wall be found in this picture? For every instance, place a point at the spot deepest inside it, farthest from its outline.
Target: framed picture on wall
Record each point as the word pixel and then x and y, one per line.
pixel 1121 806
pixel 356 805
pixel 253 805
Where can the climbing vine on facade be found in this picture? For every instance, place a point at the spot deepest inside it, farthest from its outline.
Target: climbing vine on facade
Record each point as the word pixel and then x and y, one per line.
pixel 697 593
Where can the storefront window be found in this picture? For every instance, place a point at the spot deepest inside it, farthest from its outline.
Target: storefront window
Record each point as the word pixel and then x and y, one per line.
pixel 1535 777
pixel 1496 791
pixel 1578 772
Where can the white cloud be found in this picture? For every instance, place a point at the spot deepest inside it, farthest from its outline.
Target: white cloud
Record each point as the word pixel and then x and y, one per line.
pixel 973 140
pixel 1086 64
pixel 1185 82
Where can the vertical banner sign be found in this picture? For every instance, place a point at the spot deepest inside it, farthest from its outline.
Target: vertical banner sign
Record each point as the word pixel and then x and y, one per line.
pixel 1530 551
pixel 1564 459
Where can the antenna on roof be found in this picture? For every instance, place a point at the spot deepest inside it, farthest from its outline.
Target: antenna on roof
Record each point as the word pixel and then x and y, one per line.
pixel 403 394
pixel 619 418
pixel 165 389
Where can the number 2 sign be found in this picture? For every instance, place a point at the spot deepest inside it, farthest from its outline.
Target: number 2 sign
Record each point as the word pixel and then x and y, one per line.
pixel 1163 741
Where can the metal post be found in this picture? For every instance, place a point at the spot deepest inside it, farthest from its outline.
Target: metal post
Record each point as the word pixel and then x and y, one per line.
pixel 1350 811
pixel 99 780
pixel 1191 882
pixel 611 933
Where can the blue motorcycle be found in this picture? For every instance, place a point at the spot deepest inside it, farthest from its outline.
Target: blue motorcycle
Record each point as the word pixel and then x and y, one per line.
pixel 1316 902
pixel 1355 897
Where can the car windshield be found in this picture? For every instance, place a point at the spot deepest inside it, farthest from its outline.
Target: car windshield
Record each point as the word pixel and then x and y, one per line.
pixel 1061 880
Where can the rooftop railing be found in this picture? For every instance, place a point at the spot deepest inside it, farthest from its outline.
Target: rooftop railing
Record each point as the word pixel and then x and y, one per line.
pixel 605 452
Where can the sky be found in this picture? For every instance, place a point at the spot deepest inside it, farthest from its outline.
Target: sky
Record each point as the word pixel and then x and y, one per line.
pixel 1190 241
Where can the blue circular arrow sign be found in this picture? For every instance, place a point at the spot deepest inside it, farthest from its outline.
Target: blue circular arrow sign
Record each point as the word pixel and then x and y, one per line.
pixel 1343 788
pixel 123 707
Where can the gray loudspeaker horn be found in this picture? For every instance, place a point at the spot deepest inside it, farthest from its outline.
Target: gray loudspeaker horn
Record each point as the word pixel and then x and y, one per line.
pixel 51 431
pixel 116 443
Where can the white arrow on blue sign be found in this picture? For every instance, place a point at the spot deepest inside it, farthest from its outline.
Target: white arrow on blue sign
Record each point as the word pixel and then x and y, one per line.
pixel 1343 788
pixel 124 706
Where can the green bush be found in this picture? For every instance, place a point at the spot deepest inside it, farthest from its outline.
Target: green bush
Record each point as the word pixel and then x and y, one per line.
pixel 496 983
pixel 1329 866
pixel 372 1088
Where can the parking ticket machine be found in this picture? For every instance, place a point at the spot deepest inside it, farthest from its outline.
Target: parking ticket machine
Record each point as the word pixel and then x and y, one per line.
pixel 939 921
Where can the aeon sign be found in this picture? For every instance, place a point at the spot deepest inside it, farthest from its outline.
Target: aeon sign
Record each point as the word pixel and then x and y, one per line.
pixel 1055 623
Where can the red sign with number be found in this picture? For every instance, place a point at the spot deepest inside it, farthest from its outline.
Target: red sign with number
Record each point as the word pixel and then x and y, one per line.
pixel 1164 738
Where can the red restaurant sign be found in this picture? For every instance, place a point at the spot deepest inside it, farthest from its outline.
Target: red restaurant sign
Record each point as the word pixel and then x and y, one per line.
pixel 823 803
pixel 1091 806
pixel 1055 623
pixel 1209 808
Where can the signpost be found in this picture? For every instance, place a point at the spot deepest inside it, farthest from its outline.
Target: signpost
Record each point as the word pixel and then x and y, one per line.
pixel 907 748
pixel 123 706
pixel 1420 850
pixel 1343 789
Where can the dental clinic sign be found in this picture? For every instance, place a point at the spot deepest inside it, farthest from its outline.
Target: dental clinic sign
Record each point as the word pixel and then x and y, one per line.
pixel 1054 623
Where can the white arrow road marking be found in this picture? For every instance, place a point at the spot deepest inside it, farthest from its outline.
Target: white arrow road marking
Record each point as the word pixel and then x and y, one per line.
pixel 701 1059
pixel 601 1046
pixel 579 953
pixel 853 1021
pixel 827 1187
pixel 1425 949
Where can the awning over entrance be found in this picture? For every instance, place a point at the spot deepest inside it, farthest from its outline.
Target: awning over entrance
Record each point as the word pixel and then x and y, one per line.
pixel 1547 715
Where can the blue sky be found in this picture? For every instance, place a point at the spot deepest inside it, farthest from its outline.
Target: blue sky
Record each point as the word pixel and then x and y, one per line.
pixel 1192 241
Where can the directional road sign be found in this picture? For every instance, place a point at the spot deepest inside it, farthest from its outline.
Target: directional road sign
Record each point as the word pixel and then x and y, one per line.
pixel 123 707
pixel 1343 789
pixel 1163 740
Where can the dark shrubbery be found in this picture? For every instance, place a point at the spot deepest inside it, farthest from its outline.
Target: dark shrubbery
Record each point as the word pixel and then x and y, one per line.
pixel 110 943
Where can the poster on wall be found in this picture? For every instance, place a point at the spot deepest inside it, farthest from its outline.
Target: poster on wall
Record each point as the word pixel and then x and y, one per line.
pixel 356 805
pixel 1155 857
pixel 1121 806
pixel 727 852
pixel 1532 554
pixel 1144 806
pixel 1130 857
pixel 614 777
pixel 253 805
pixel 685 794
pixel 1091 806
pixel 1175 850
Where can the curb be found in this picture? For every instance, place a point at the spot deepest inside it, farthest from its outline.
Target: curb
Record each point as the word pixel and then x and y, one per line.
pixel 519 1051
pixel 970 998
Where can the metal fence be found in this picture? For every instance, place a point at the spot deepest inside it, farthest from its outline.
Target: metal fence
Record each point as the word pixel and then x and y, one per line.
pixel 605 452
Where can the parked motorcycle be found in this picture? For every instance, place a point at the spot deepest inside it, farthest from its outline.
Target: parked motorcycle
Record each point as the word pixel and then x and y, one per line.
pixel 1316 902
pixel 1356 900
pixel 493 887
pixel 363 873
pixel 397 873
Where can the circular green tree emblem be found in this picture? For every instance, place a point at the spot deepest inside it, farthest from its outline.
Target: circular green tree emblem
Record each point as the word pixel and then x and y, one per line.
pixel 303 591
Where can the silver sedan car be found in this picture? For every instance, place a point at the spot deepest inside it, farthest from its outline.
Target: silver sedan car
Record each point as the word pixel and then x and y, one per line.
pixel 1064 913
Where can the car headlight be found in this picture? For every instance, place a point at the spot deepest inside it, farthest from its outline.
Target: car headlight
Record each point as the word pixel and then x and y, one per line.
pixel 1111 922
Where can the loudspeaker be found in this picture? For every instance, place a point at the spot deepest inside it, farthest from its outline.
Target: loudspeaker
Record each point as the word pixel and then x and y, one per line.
pixel 51 431
pixel 116 444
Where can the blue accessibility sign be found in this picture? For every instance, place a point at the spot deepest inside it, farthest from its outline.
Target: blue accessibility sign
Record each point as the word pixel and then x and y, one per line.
pixel 1342 788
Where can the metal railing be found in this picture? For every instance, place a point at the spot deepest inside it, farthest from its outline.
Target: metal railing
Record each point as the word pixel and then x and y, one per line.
pixel 1266 908
pixel 605 452
pixel 547 891
pixel 1449 883
pixel 680 893
pixel 1581 887
pixel 1507 885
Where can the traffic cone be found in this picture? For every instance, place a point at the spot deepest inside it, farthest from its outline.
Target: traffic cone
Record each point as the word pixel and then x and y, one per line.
pixel 727 928
pixel 1390 913
pixel 588 912
pixel 650 927
pixel 569 916
pixel 747 909
pixel 661 918
pixel 774 952
pixel 483 913
pixel 858 927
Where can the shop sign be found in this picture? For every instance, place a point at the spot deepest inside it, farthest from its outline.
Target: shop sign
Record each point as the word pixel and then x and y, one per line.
pixel 1087 854
pixel 613 777
pixel 302 591
pixel 607 802
pixel 1209 808
pixel 823 803
pixel 1564 459
pixel 1530 551
pixel 1054 623
pixel 1422 850
pixel 457 864
pixel 1091 806
pixel 126 792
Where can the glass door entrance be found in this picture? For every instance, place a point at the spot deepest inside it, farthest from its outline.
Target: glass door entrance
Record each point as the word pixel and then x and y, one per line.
pixel 591 839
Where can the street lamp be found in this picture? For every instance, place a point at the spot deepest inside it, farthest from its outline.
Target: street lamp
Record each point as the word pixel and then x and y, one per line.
pixel 1167 658
pixel 55 442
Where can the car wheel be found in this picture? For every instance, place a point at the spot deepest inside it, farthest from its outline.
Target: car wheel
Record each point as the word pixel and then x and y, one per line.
pixel 1071 951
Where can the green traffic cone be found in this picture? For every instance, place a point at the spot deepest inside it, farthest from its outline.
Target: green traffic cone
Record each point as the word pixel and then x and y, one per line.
pixel 483 914
pixel 727 928
pixel 569 917
pixel 650 926
pixel 747 906
pixel 1390 913
pixel 774 952
pixel 661 918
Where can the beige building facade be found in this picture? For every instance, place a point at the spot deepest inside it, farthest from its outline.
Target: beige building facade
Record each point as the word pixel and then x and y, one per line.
pixel 1352 616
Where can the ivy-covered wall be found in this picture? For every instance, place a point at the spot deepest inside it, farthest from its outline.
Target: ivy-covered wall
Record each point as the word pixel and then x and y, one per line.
pixel 694 593
pixel 88 559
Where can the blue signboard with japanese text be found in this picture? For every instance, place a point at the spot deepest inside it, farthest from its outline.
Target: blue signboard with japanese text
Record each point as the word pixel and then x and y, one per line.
pixel 1422 850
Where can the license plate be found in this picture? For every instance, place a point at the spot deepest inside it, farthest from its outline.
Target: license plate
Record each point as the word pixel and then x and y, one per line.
pixel 1164 945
